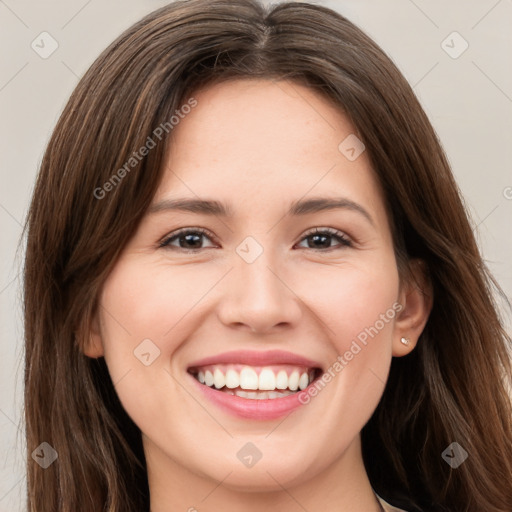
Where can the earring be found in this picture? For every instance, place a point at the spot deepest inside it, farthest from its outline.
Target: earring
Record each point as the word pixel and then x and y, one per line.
pixel 405 341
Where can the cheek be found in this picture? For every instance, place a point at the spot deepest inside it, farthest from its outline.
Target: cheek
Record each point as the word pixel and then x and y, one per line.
pixel 367 309
pixel 359 310
pixel 150 301
pixel 352 300
pixel 147 312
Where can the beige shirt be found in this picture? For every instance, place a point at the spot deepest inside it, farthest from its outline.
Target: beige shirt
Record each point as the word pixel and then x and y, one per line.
pixel 388 507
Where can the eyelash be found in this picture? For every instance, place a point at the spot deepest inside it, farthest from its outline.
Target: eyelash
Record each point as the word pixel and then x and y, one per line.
pixel 341 237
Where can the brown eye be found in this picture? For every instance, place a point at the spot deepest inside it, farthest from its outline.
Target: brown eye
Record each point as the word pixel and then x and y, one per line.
pixel 321 238
pixel 187 239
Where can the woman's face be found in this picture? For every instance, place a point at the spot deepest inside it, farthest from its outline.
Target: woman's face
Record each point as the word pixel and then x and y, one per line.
pixel 260 300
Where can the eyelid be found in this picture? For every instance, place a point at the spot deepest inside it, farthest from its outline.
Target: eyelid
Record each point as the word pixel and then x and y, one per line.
pixel 324 229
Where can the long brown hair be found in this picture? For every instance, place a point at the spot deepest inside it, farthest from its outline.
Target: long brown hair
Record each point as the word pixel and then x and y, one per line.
pixel 451 388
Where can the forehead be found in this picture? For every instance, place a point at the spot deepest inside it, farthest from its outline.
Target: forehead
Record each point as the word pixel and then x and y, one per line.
pixel 265 142
pixel 262 118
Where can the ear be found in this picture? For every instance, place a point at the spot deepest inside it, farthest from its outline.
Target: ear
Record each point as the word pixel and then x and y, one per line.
pixel 416 297
pixel 93 346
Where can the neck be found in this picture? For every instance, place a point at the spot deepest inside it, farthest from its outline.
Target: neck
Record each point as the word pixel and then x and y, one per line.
pixel 342 486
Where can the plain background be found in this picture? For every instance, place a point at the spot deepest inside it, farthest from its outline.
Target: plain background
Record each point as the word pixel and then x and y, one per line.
pixel 468 100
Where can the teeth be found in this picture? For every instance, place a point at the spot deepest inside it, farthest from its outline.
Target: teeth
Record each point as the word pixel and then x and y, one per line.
pixel 282 380
pixel 232 379
pixel 259 395
pixel 248 379
pixel 218 379
pixel 208 378
pixel 255 395
pixel 293 380
pixel 303 381
pixel 243 380
pixel 267 379
pixel 277 394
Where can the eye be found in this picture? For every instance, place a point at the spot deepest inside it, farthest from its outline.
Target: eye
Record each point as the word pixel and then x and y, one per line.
pixel 322 237
pixel 187 239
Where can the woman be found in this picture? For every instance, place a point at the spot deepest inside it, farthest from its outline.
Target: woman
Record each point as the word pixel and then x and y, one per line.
pixel 251 282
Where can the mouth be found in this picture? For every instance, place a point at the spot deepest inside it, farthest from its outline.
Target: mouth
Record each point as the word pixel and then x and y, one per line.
pixel 255 382
pixel 255 385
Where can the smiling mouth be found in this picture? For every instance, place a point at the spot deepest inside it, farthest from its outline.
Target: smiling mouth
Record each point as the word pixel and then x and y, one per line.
pixel 255 382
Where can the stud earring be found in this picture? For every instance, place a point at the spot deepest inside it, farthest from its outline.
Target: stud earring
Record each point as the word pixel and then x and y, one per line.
pixel 405 341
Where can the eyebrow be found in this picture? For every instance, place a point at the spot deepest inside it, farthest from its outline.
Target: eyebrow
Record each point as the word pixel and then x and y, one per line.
pixel 297 208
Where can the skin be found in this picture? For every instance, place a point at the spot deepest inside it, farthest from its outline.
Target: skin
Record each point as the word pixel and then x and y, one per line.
pixel 258 145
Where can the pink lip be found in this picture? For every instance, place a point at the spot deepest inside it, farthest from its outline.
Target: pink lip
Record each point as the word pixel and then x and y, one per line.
pixel 246 407
pixel 251 409
pixel 253 358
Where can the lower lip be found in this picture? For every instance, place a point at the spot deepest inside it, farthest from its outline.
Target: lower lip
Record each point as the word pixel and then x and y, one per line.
pixel 253 409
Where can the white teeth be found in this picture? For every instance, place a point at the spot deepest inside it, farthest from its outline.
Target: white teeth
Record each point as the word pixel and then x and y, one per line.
pixel 218 379
pixel 255 395
pixel 282 380
pixel 303 381
pixel 208 378
pixel 267 380
pixel 222 377
pixel 248 379
pixel 258 395
pixel 277 394
pixel 232 379
pixel 293 380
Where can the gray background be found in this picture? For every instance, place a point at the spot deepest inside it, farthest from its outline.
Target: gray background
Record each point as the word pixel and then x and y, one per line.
pixel 468 100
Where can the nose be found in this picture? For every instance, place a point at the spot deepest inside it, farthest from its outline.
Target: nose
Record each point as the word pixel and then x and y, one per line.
pixel 259 297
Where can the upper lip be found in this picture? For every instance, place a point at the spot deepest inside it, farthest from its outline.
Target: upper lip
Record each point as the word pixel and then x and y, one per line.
pixel 257 358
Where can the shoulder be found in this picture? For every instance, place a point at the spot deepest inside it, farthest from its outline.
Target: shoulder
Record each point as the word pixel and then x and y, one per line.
pixel 388 507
